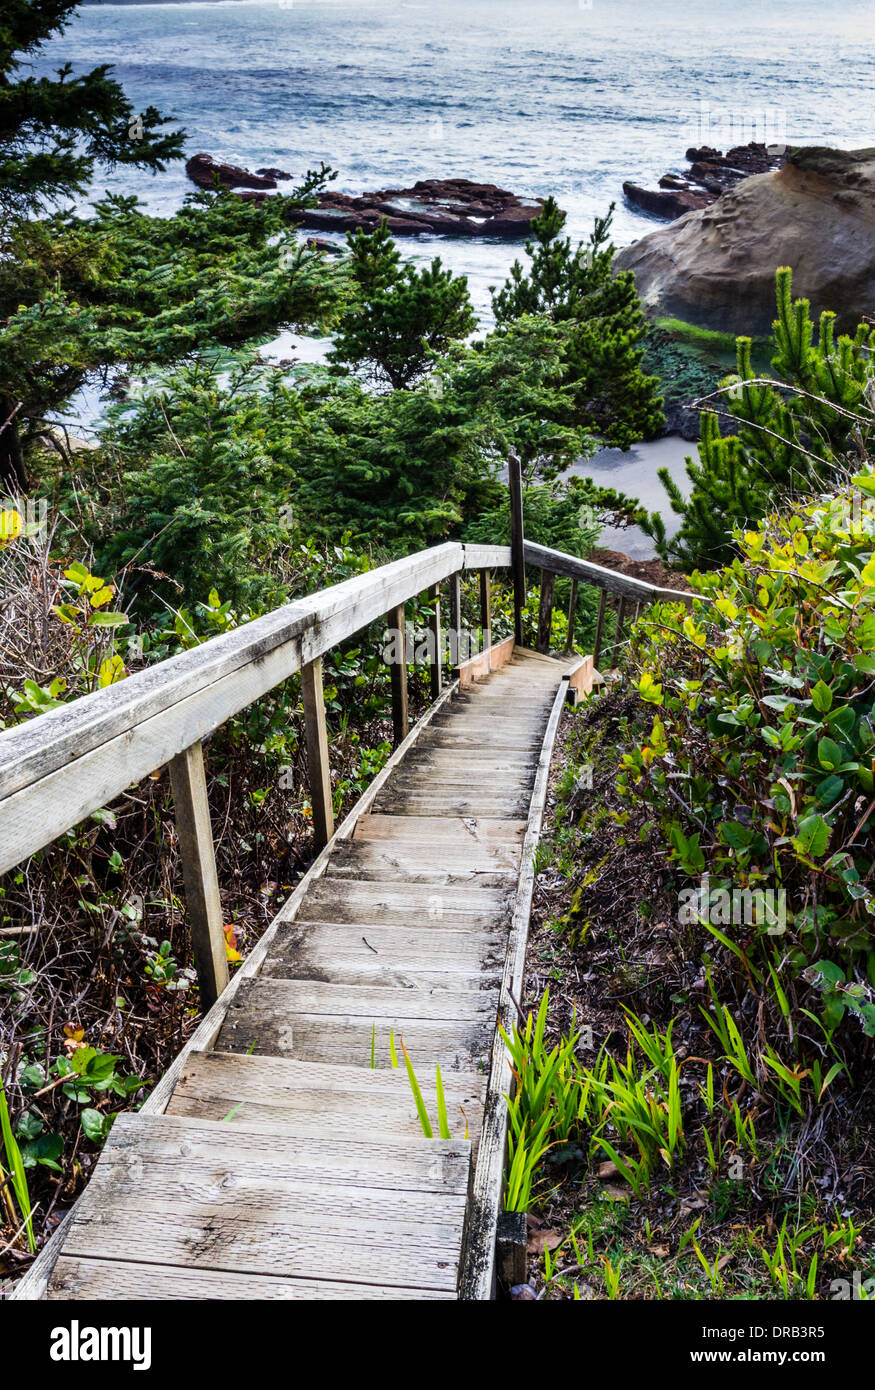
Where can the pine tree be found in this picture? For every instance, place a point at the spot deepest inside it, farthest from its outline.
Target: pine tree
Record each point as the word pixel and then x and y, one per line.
pixel 54 131
pixel 795 433
pixel 600 315
pixel 402 317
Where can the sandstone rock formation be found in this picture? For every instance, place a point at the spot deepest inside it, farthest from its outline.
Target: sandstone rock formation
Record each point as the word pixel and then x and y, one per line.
pixel 716 267
pixel 710 175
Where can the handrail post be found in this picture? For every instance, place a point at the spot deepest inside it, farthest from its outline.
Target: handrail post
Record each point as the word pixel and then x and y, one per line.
pixel 319 767
pixel 398 675
pixel 515 484
pixel 436 658
pixel 545 611
pixel 455 633
pixel 486 608
pixel 572 617
pixel 599 626
pixel 618 630
pixel 202 901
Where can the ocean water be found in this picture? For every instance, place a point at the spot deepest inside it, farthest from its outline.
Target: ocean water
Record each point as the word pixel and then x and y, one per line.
pixel 569 97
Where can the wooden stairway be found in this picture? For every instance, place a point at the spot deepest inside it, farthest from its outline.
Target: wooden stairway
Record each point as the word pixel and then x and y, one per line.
pixel 285 1165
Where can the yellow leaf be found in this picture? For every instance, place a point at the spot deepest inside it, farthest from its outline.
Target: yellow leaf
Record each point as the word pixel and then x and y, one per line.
pixel 10 525
pixel 868 575
pixel 231 951
pixel 111 670
pixel 102 596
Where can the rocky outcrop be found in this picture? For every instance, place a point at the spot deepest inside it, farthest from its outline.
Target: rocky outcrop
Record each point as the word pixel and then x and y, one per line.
pixel 716 267
pixel 711 174
pixel 450 207
pixel 203 170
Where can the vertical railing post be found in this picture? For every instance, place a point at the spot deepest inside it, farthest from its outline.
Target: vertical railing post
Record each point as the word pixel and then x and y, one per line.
pixel 486 608
pixel 436 656
pixel 203 905
pixel 515 484
pixel 599 628
pixel 316 734
pixel 618 632
pixel 455 618
pixel 398 675
pixel 545 611
pixel 572 617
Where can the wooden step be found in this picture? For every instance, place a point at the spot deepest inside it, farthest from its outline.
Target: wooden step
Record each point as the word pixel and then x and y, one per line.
pixel 455 835
pixel 260 1020
pixel 424 862
pixel 200 1195
pixel 391 956
pixel 296 999
pixel 319 1100
pixel 461 740
pixel 402 802
pixel 129 1279
pixel 458 779
pixel 407 904
pixel 474 761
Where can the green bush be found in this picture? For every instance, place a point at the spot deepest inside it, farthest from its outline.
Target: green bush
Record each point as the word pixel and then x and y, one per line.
pixel 758 770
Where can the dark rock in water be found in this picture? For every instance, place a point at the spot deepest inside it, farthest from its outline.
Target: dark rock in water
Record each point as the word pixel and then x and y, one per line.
pixel 202 169
pixel 711 174
pixel 670 201
pixel 450 207
pixel 318 243
pixel 716 267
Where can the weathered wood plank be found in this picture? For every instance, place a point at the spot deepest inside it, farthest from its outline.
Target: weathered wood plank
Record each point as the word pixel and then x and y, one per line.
pixel 490 659
pixel 443 760
pixel 282 1096
pixel 439 830
pixel 476 804
pixel 199 1151
pixel 493 557
pixel 453 1045
pixel 88 1278
pixel 289 998
pixel 345 954
pixel 424 862
pixel 501 743
pixel 421 902
pixel 486 610
pixel 599 627
pixel 227 1217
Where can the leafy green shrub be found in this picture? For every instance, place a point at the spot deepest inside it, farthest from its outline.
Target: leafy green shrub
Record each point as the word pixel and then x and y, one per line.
pixel 759 766
pixel 797 432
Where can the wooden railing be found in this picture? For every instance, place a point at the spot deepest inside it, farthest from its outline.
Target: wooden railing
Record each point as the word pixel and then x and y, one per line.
pixel 60 767
pixel 57 769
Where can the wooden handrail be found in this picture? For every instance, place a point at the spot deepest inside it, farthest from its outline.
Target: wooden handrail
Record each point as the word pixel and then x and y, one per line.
pixel 557 562
pixel 60 767
pixel 56 769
